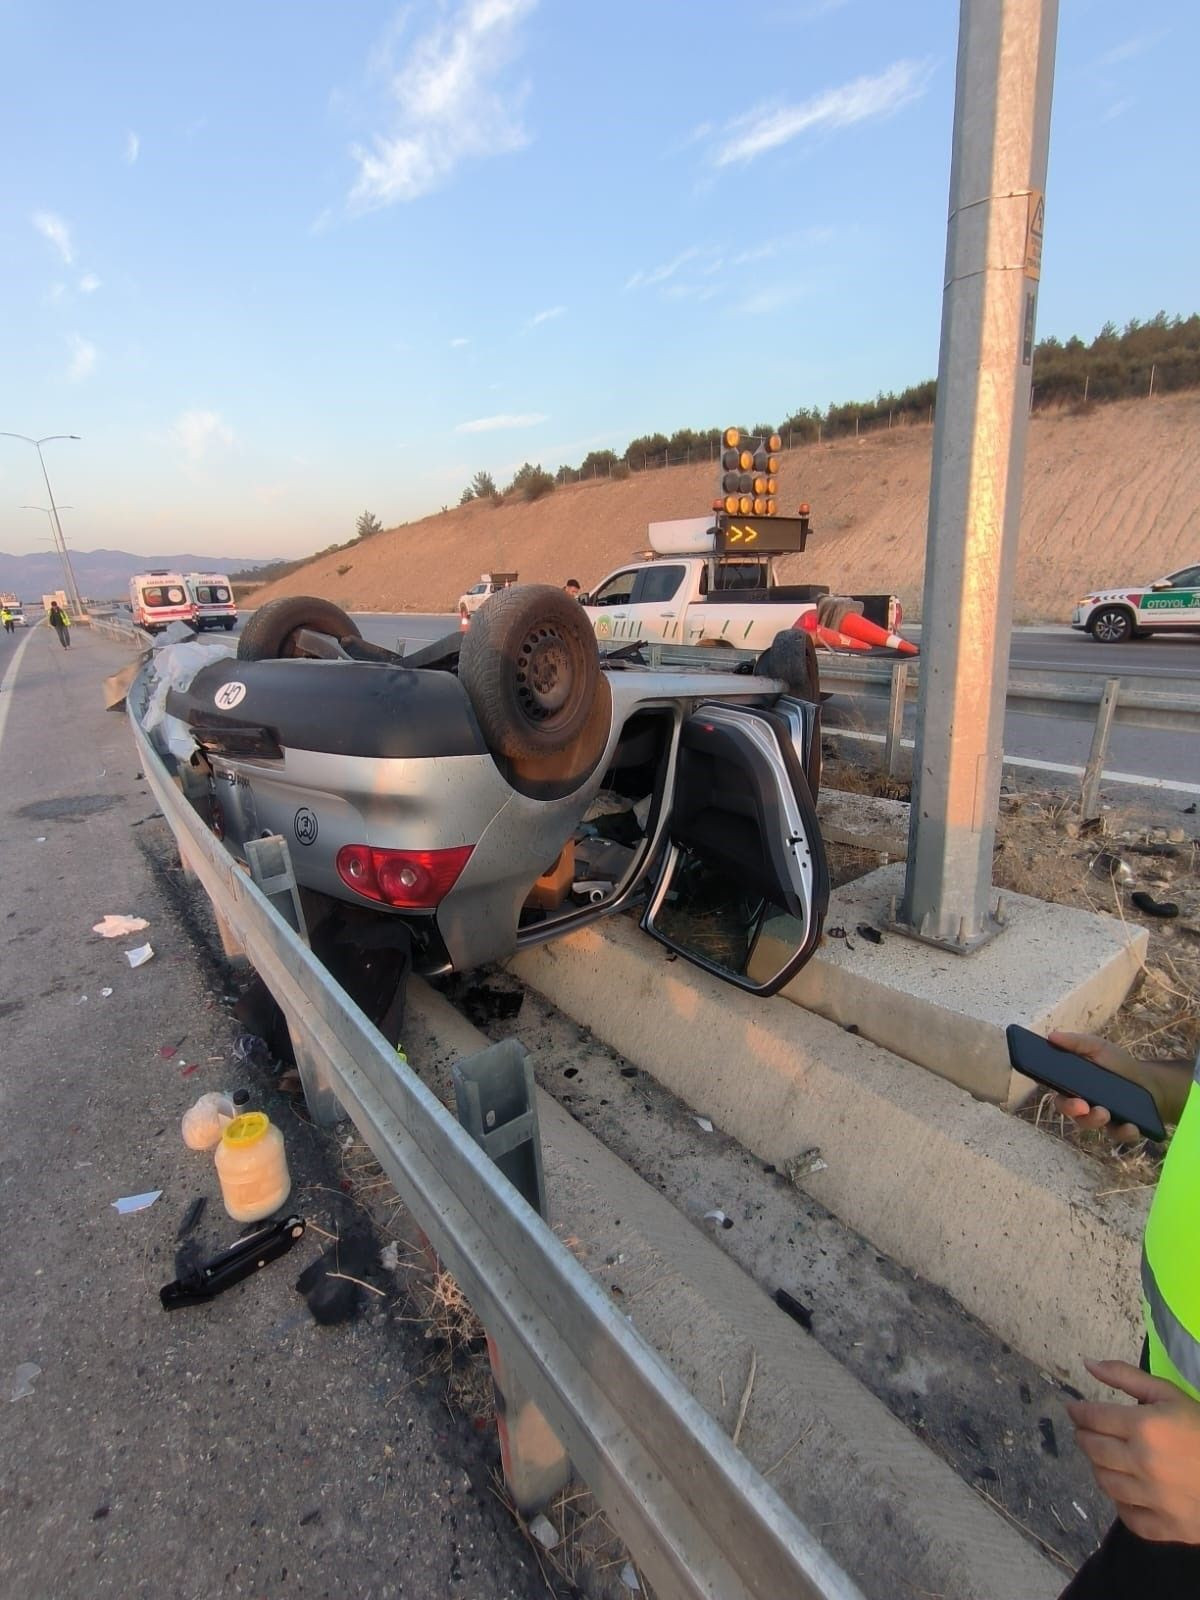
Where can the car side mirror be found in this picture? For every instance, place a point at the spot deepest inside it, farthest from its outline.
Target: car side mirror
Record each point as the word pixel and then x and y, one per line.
pixel 705 915
pixel 1162 583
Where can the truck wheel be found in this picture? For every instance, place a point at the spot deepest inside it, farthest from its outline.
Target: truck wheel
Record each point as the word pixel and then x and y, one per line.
pixel 792 656
pixel 531 668
pixel 1111 625
pixel 270 632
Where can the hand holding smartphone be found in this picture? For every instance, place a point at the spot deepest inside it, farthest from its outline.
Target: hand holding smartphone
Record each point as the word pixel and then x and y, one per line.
pixel 1070 1074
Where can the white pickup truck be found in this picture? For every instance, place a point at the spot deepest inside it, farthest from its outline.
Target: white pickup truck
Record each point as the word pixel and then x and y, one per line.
pixel 489 584
pixel 711 581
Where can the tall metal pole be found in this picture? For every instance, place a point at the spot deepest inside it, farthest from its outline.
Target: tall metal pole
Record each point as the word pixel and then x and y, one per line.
pixel 993 263
pixel 74 601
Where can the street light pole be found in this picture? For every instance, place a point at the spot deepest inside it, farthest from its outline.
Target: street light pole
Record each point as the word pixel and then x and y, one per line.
pixel 74 600
pixel 46 512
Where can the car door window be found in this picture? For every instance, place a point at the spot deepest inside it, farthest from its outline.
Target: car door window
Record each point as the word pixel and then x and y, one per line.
pixel 660 585
pixel 618 590
pixel 745 885
pixel 1188 578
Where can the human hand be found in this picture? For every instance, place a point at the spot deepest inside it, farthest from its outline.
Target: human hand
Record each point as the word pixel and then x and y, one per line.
pixel 1145 1458
pixel 1103 1053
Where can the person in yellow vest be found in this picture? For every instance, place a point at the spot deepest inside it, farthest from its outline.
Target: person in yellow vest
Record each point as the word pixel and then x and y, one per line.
pixel 6 618
pixel 61 623
pixel 1146 1457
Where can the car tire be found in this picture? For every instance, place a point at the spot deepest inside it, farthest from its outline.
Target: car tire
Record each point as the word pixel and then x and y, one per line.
pixel 271 630
pixel 792 656
pixel 229 626
pixel 1111 625
pixel 531 668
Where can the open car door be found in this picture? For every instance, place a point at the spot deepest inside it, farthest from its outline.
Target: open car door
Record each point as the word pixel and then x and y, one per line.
pixel 744 885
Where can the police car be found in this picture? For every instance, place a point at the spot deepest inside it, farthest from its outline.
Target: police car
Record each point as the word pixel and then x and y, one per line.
pixel 1168 605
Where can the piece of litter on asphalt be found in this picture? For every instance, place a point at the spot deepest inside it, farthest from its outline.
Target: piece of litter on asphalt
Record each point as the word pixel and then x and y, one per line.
pixel 23 1379
pixel 140 956
pixel 1080 1509
pixel 166 1051
pixel 104 993
pixel 719 1218
pixel 135 1202
pixel 82 1000
pixel 187 1071
pixel 116 927
pixel 41 838
pixel 703 1124
pixel 630 1578
pixel 544 1531
pixel 389 1256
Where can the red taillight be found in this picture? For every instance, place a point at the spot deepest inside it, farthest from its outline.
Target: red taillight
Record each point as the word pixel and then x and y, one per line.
pixel 415 880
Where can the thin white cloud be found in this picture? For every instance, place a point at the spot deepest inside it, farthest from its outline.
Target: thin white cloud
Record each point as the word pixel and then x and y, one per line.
pixel 690 291
pixel 547 316
pixel 133 146
pixel 89 283
pixel 1128 48
pixel 83 358
pixel 660 274
pixel 197 433
pixel 526 419
pixel 864 99
pixel 452 101
pixel 774 297
pixel 55 293
pixel 1118 109
pixel 53 227
pixel 457 344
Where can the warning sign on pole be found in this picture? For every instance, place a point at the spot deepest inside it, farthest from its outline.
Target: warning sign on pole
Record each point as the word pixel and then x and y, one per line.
pixel 1033 233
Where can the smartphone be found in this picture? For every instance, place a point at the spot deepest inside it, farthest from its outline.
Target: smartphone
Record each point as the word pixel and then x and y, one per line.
pixel 1070 1074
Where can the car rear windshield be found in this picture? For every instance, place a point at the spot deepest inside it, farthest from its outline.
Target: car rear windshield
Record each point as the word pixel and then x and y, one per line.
pixel 160 594
pixel 212 594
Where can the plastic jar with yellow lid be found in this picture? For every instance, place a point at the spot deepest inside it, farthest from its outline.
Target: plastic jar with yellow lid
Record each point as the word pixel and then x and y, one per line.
pixel 252 1166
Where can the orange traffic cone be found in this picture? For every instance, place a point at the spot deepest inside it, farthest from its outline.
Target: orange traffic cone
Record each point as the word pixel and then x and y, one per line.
pixel 871 633
pixel 829 637
pixel 464 622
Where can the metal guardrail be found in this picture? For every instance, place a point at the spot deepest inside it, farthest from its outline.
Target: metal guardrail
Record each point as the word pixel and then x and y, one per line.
pixel 697 1516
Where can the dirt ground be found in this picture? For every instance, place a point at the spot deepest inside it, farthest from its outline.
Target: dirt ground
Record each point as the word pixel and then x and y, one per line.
pixel 1110 497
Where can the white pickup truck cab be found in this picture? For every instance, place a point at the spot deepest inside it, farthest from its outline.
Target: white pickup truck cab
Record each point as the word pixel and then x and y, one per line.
pixel 489 584
pixel 711 581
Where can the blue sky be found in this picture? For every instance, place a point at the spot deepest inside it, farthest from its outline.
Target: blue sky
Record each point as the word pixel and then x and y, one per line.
pixel 277 264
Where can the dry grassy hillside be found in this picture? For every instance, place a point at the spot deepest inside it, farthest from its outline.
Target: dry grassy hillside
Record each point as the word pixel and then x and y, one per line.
pixel 1110 497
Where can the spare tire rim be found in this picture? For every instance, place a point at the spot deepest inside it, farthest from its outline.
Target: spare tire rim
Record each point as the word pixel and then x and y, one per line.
pixel 546 681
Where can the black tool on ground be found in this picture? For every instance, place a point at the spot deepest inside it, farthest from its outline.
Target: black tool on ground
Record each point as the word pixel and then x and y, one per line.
pixel 206 1279
pixel 1152 907
pixel 1070 1074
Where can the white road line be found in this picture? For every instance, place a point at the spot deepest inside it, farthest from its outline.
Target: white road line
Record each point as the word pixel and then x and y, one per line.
pixel 10 677
pixel 1137 780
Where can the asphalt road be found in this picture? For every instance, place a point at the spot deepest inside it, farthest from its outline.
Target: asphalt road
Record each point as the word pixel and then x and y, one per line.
pixel 233 1449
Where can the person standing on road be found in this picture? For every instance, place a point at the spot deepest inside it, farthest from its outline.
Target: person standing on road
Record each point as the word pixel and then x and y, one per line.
pixel 1146 1458
pixel 61 623
pixel 7 619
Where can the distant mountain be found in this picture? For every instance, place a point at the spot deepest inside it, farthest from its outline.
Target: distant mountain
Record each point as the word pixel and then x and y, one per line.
pixel 101 574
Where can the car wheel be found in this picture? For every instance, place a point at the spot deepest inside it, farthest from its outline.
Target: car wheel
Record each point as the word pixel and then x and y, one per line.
pixel 270 632
pixel 229 626
pixel 1112 625
pixel 531 667
pixel 792 656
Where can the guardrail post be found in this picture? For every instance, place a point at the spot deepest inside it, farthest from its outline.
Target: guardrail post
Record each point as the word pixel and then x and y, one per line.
pixel 271 868
pixel 895 722
pixel 1089 806
pixel 496 1099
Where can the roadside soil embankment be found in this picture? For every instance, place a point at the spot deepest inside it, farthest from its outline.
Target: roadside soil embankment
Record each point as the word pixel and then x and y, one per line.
pixel 1111 496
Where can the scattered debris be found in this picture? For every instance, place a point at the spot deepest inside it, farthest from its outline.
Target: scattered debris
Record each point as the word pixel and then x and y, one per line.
pixel 104 993
pixel 197 1282
pixel 835 933
pixel 1083 1514
pixel 23 1380
pixel 1049 1439
pixel 746 1393
pixel 1189 811
pixel 1152 907
pixel 332 1285
pixel 805 1164
pixel 1106 865
pixel 718 1217
pixel 544 1531
pixel 389 1256
pixel 703 1124
pixel 117 927
pixel 794 1308
pixel 135 1202
pixel 629 1072
pixel 630 1578
pixel 41 838
pixel 191 1216
pixel 870 934
pixel 140 956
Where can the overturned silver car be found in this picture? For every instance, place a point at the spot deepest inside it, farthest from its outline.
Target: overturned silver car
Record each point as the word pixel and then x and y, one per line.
pixel 509 784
